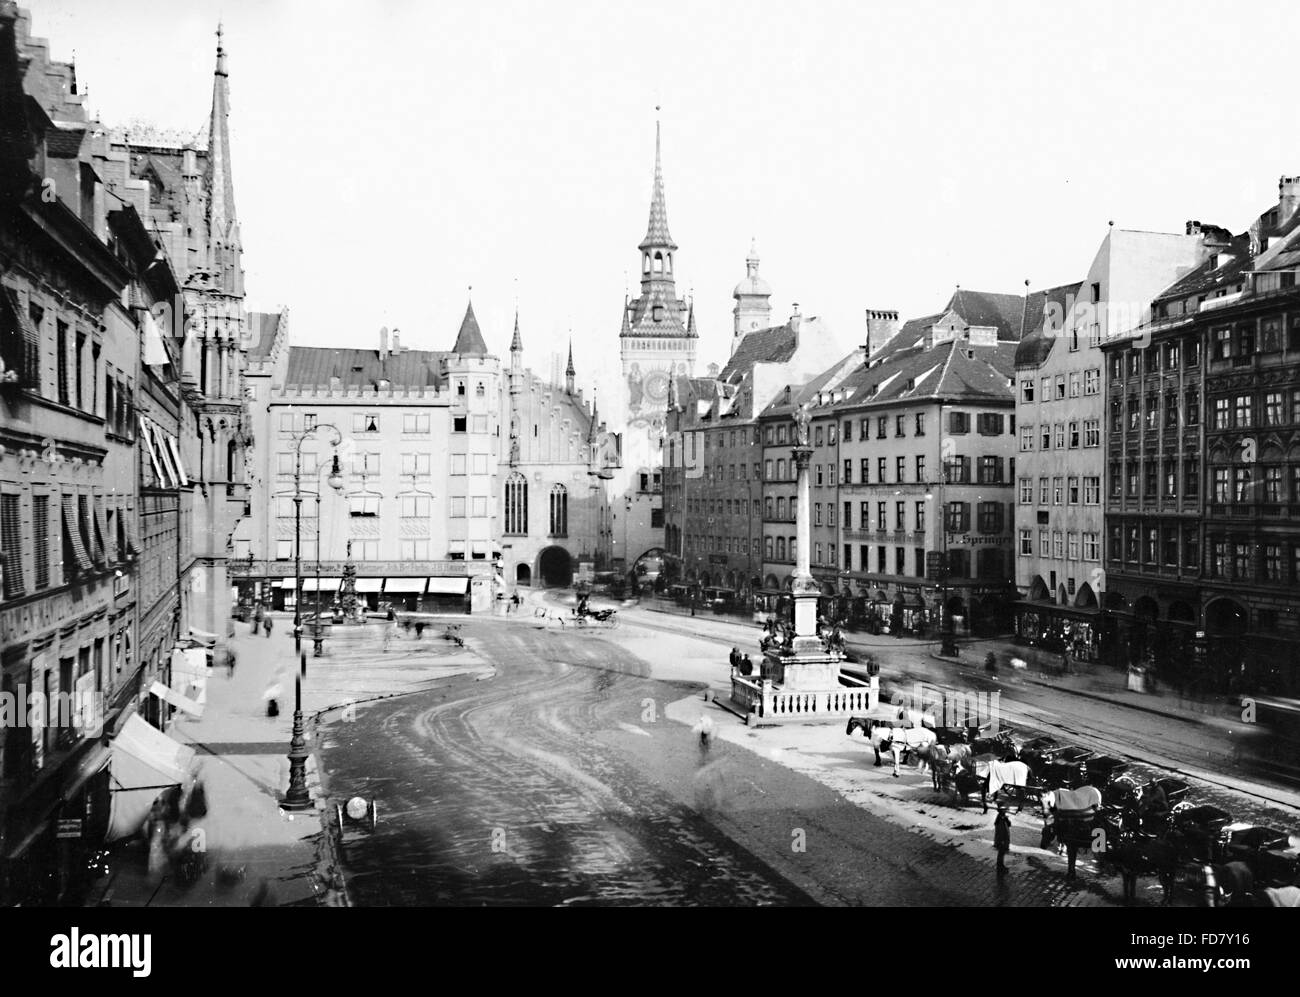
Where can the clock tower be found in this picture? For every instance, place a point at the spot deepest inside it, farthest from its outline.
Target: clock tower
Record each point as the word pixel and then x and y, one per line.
pixel 658 339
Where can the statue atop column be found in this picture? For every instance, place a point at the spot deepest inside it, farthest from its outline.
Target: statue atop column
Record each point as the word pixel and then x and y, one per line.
pixel 801 420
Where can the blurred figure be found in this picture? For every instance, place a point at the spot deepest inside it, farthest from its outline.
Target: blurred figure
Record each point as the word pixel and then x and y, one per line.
pixel 1002 839
pixel 266 624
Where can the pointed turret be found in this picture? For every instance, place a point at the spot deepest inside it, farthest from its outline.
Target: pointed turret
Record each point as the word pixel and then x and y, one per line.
pixel 219 186
pixel 656 234
pixel 516 342
pixel 469 341
pixel 569 372
pixel 593 431
pixel 690 321
pixel 627 319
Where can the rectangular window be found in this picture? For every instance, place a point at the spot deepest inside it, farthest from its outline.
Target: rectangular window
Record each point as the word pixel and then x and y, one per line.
pixel 990 470
pixel 1222 490
pixel 864 468
pixel 458 463
pixel 1026 438
pixel 920 424
pixel 1072 546
pixel 882 470
pixel 1075 384
pixel 1044 544
pixel 415 506
pixel 1045 437
pixel 1026 491
pixel 817 514
pixel 898 425
pixel 848 521
pixel 415 463
pixel 415 423
pixel 1074 436
pixel 920 517
pixel 1092 433
pixel 1026 542
pixel 459 423
pixel 414 550
pixel 1044 494
pixel 1092 381
pixel 1027 389
pixel 1091 551
pixel 900 563
pixel 900 469
pixel 1242 409
pixel 1091 491
pixel 848 471
pixel 1072 490
pixel 480 463
pixel 864 516
pixel 1060 386
pixel 848 438
pixel 365 422
pixel 11 541
pixel 882 426
pixel 958 422
pixel 1058 490
pixel 457 504
pixel 479 506
pixel 900 515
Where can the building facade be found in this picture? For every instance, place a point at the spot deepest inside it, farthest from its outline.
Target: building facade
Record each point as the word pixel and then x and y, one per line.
pixel 98 461
pixel 1060 409
pixel 461 480
pixel 1202 558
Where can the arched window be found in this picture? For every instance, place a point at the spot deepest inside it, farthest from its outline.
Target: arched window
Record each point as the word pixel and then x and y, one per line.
pixel 559 511
pixel 480 390
pixel 516 505
pixel 645 266
pixel 668 263
pixel 659 262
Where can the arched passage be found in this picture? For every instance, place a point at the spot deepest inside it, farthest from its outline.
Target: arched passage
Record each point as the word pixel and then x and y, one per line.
pixel 555 566
pixel 1226 617
pixel 1086 598
pixel 1038 589
pixel 523 574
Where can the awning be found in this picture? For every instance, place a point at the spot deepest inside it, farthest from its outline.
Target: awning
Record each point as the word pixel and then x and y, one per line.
pixel 176 458
pixel 127 516
pixel 406 585
pixel 177 700
pixel 283 583
pixel 203 635
pixel 448 586
pixel 326 584
pixel 145 762
pixel 108 544
pixel 369 584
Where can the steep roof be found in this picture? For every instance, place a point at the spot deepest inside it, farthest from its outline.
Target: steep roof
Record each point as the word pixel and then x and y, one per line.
pixel 953 371
pixel 469 341
pixel 263 327
pixel 313 366
pixel 1004 311
pixel 1210 276
pixel 796 394
pixel 773 345
pixel 1036 345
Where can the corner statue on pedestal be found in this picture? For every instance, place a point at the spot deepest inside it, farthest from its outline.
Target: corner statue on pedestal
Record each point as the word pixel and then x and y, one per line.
pixel 801 420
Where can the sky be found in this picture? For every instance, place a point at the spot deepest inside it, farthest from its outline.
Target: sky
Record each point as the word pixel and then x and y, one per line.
pixel 390 155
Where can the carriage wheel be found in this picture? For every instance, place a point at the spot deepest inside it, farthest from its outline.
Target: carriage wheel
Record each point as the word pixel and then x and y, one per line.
pixel 613 621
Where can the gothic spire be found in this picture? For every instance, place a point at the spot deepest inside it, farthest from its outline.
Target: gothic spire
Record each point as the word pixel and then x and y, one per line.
pixel 656 235
pixel 569 372
pixel 219 185
pixel 517 343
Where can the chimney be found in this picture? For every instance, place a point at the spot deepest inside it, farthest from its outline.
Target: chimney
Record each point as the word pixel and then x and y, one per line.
pixel 383 342
pixel 795 319
pixel 397 344
pixel 1288 198
pixel 882 326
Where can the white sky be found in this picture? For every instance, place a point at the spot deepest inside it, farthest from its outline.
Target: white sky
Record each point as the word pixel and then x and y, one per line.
pixel 390 154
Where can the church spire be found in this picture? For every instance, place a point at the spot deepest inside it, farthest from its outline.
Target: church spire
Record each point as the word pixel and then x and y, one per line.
pixel 569 372
pixel 219 185
pixel 517 343
pixel 656 234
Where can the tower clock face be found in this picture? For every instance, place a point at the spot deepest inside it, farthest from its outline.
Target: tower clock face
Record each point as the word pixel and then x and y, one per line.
pixel 656 385
pixel 753 324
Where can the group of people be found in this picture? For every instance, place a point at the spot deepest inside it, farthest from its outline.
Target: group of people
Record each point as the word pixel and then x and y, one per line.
pixel 741 662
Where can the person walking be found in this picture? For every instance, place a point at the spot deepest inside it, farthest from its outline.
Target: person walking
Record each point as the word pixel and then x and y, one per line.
pixel 230 663
pixel 735 658
pixel 1002 839
pixel 266 624
pixel 746 666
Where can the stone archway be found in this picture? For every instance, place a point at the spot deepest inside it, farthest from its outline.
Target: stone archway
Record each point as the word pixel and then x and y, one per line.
pixel 1038 589
pixel 1226 617
pixel 523 574
pixel 556 567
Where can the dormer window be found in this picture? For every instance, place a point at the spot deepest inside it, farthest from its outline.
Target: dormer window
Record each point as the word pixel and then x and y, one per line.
pixel 658 313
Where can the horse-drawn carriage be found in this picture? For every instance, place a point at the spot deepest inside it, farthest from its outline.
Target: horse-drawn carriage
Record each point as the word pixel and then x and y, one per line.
pixel 586 616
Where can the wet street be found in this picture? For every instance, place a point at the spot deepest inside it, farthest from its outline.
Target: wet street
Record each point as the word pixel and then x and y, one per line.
pixel 561 782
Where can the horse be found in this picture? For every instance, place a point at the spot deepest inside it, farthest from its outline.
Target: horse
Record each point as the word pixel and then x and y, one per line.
pixel 899 741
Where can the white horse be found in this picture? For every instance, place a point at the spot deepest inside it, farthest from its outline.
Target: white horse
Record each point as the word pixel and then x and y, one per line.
pixel 900 740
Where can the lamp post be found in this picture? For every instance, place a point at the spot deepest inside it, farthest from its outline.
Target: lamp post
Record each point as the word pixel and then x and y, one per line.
pixel 948 648
pixel 336 482
pixel 299 796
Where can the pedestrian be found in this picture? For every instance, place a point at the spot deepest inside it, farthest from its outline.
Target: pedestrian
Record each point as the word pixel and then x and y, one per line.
pixel 735 658
pixel 266 624
pixel 746 666
pixel 705 728
pixel 1002 839
pixel 230 663
pixel 272 693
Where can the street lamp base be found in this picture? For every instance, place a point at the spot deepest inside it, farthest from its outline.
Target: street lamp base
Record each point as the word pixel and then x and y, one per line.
pixel 297 805
pixel 318 647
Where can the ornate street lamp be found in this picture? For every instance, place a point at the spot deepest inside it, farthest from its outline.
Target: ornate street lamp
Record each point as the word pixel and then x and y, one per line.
pixel 336 482
pixel 949 647
pixel 299 796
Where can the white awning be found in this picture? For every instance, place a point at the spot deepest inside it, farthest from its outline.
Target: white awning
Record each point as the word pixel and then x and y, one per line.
pixel 326 584
pixel 404 585
pixel 145 762
pixel 369 584
pixel 283 583
pixel 448 586
pixel 198 634
pixel 177 700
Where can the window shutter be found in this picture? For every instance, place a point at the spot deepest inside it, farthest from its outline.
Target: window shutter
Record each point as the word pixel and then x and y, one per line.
pixel 74 533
